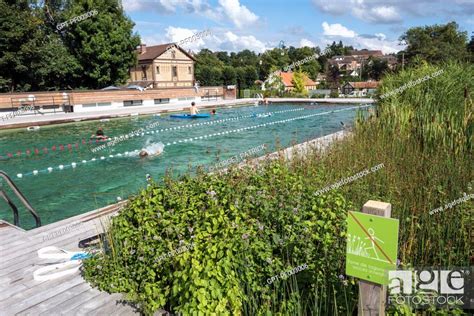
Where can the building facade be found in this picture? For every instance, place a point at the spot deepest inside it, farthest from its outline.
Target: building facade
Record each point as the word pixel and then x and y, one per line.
pixel 163 66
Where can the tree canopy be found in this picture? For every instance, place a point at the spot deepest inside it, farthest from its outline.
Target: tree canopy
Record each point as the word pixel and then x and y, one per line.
pixel 93 53
pixel 435 43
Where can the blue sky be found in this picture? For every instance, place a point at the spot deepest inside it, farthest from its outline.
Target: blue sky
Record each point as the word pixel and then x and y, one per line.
pixel 261 24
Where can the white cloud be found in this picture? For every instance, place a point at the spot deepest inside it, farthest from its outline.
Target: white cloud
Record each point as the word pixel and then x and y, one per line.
pixel 377 41
pixel 380 14
pixel 237 13
pixel 337 30
pixel 306 43
pixel 375 11
pixel 230 10
pixel 176 34
pixel 380 36
pixel 333 7
pixel 232 42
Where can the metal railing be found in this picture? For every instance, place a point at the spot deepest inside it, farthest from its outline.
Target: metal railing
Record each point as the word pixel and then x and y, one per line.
pixel 21 197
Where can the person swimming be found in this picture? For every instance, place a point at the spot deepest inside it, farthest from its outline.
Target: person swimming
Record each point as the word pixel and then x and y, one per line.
pixel 99 134
pixel 213 112
pixel 193 110
pixel 152 150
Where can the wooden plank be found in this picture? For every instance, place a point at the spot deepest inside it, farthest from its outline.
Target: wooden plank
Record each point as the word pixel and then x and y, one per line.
pixel 64 307
pixel 33 296
pixel 372 297
pixel 98 301
pixel 110 308
pixel 30 255
pixel 56 300
pixel 91 217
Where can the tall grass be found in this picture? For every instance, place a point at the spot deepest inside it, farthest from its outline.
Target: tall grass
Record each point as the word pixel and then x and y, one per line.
pixel 424 138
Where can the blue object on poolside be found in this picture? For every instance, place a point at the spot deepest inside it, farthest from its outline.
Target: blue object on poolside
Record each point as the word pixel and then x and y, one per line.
pixel 189 116
pixel 80 256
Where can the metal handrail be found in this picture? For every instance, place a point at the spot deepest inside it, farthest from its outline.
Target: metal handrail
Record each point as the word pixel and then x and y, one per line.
pixel 22 199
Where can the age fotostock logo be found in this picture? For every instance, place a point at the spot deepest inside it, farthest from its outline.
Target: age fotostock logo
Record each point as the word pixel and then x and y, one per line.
pixel 430 286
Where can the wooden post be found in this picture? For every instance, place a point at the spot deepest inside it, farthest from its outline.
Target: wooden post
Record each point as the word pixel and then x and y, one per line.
pixel 372 297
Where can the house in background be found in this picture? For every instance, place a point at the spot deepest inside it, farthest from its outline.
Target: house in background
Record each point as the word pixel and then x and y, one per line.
pixel 362 88
pixel 287 79
pixel 163 66
pixel 357 59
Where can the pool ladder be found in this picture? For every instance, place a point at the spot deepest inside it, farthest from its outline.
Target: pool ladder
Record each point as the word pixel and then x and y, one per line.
pixel 16 218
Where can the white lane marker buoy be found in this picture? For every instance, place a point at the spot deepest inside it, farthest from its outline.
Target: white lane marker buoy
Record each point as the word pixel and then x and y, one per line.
pixel 102 158
pixel 19 175
pixel 50 169
pixel 73 165
pixel 35 172
pixel 93 159
pixel 61 167
pixel 84 161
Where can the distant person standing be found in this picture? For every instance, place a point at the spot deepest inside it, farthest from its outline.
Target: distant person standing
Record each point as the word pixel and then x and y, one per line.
pixel 193 109
pixel 196 86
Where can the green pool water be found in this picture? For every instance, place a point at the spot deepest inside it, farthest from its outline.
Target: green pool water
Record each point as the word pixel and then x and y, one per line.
pixel 58 194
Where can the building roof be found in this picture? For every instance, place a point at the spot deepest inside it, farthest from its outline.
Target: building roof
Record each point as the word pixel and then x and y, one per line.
pixel 152 52
pixel 364 84
pixel 287 78
pixel 366 53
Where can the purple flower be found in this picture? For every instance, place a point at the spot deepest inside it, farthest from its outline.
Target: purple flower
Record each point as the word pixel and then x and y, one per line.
pixel 190 229
pixel 342 277
pixel 245 236
pixel 260 227
pixel 295 210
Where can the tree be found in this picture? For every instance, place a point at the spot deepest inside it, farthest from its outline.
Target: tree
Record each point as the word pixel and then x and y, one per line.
pixel 103 44
pixel 224 57
pixel 311 67
pixel 298 82
pixel 435 43
pixel 208 75
pixel 470 48
pixel 333 76
pixel 228 75
pixel 374 68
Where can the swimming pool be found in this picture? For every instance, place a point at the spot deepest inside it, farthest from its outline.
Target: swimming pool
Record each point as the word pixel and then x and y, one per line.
pixel 62 173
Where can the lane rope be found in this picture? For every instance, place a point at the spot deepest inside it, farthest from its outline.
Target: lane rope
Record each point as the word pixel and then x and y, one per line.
pixel 185 140
pixel 60 148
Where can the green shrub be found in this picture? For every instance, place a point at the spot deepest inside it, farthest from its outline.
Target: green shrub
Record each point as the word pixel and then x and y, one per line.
pixel 334 94
pixel 245 227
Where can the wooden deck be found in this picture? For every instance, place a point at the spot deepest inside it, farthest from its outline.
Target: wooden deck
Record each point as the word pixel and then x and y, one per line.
pixel 20 294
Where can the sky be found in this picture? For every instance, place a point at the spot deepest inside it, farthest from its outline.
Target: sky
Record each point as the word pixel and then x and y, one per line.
pixel 259 25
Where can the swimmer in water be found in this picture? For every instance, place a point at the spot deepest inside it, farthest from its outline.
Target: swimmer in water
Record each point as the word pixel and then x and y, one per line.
pixel 213 112
pixel 152 150
pixel 99 134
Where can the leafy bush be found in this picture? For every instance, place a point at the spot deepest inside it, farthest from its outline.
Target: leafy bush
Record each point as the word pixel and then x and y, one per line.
pixel 334 94
pixel 245 227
